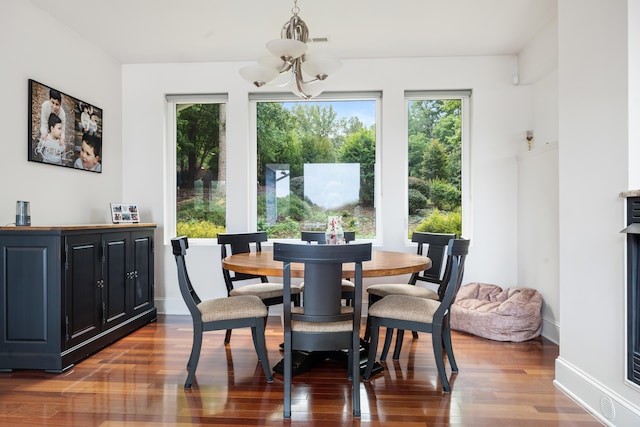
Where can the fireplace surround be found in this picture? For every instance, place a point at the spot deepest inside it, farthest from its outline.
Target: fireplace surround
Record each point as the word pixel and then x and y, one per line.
pixel 633 285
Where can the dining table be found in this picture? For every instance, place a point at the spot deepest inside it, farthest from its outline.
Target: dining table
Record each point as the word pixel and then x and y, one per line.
pixel 382 263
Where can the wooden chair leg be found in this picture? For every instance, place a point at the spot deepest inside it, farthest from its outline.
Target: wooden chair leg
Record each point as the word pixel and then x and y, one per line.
pixel 227 336
pixel 373 349
pixel 261 349
pixel 446 341
pixel 387 344
pixel 195 355
pixel 398 347
pixel 436 338
pixel 367 329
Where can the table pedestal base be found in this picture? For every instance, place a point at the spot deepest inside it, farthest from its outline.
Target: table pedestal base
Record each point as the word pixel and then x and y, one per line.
pixel 303 361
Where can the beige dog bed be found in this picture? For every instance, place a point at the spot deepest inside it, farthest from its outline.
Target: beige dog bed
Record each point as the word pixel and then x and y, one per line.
pixel 488 311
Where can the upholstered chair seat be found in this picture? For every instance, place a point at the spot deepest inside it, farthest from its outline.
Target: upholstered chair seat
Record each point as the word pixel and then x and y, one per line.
pixel 262 290
pixel 232 308
pixel 384 289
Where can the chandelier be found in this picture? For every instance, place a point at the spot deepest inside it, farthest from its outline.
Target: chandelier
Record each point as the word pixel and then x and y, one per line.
pixel 290 66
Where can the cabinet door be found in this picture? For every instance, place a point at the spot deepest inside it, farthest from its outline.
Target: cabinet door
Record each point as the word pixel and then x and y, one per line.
pixel 83 287
pixel 116 275
pixel 142 270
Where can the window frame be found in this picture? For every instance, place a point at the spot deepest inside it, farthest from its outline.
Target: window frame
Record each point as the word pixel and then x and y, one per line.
pixel 170 184
pixel 254 98
pixel 465 100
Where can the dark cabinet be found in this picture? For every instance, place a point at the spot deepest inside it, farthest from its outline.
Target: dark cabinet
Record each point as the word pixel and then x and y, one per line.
pixel 67 292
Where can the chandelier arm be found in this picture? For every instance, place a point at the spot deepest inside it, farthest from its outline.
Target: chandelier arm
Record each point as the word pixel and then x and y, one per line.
pixel 298 73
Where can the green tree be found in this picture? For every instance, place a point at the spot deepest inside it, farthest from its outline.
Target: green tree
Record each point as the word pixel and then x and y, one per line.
pixel 423 114
pixel 276 132
pixel 436 161
pixel 360 147
pixel 316 149
pixel 198 130
pixel 417 148
pixel 448 130
pixel 317 120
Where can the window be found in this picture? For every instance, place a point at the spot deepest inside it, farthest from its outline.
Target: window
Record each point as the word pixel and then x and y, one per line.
pixel 435 161
pixel 316 159
pixel 198 129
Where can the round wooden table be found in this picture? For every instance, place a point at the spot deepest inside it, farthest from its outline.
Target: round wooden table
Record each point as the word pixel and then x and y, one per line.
pixel 383 263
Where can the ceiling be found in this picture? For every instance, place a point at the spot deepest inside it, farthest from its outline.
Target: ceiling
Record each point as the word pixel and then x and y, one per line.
pixel 156 31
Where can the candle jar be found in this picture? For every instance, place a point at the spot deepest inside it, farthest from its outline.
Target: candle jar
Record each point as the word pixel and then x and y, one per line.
pixel 23 215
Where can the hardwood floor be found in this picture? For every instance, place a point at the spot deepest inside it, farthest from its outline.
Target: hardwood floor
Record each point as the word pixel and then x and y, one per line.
pixel 138 381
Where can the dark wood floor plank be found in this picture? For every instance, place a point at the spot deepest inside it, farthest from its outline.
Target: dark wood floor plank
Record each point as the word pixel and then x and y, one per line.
pixel 138 381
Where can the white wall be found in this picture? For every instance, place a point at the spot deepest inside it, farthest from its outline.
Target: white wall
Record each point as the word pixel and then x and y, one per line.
pixel 497 121
pixel 538 264
pixel 598 96
pixel 593 158
pixel 35 46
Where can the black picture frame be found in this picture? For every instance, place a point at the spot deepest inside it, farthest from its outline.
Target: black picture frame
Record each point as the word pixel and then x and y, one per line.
pixel 58 138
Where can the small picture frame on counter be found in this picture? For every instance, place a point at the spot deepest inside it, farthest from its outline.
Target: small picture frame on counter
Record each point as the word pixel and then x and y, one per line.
pixel 124 213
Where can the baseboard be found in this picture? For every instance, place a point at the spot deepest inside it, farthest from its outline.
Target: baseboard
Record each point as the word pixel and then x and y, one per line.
pixel 551 330
pixel 607 406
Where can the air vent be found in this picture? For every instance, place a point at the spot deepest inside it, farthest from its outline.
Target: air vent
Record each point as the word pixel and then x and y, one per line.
pixel 318 39
pixel 607 407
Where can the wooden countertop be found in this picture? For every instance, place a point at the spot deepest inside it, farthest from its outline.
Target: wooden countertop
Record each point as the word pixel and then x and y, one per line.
pixel 74 227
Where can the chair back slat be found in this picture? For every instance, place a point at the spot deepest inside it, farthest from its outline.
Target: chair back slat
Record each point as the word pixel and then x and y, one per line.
pixel 240 243
pixel 189 295
pixel 457 254
pixel 319 237
pixel 437 244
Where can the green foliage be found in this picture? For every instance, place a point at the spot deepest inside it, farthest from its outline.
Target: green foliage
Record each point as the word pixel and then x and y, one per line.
pixel 417 201
pixel 316 120
pixel 420 185
pixel 276 133
pixel 417 148
pixel 436 162
pixel 444 195
pixel 198 229
pixel 188 210
pixel 316 149
pixel 360 147
pixel 292 207
pixel 198 129
pixel 283 229
pixel 296 186
pixel 438 222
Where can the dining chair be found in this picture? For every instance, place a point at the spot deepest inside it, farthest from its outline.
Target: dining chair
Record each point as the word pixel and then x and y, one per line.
pixel 422 314
pixel 319 238
pixel 271 293
pixel 436 275
pixel 322 323
pixel 245 311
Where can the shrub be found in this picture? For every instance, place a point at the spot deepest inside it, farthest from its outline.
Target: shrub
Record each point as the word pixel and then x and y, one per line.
pixel 284 229
pixel 444 195
pixel 439 222
pixel 199 229
pixel 296 186
pixel 419 184
pixel 417 201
